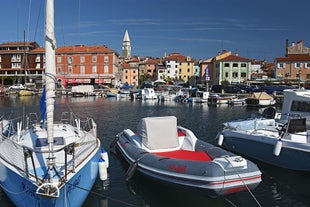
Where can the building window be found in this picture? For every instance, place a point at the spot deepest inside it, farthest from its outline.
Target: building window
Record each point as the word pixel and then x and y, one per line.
pixel 235 74
pixel 70 59
pixel 94 69
pixel 58 59
pixel 126 71
pixel 226 74
pixel 188 70
pixel 281 65
pixel 307 65
pixel 243 65
pixel 94 59
pixel 82 59
pixel 243 75
pixel 298 65
pixel 59 69
pixel 226 65
pixel 308 76
pixel 106 69
pixel 235 65
pixel 69 69
pixel 106 59
pixel 82 69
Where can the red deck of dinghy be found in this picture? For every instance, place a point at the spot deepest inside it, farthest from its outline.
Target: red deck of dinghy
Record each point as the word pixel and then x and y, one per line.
pixel 186 155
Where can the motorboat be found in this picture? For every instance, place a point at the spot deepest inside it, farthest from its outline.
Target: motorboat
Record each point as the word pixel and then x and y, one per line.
pixel 220 99
pixel 173 155
pixel 260 99
pixel 237 101
pixel 281 139
pixel 148 94
pixel 44 162
pixel 82 90
pixel 200 97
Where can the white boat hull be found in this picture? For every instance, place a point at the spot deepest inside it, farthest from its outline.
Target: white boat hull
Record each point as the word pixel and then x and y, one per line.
pixel 262 144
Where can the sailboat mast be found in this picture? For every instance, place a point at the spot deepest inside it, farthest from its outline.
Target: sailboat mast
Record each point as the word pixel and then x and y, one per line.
pixel 50 69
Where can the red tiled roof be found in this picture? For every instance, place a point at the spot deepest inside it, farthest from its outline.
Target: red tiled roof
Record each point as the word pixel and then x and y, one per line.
pixel 178 57
pixel 84 49
pixel 294 57
pixel 234 58
pixel 16 44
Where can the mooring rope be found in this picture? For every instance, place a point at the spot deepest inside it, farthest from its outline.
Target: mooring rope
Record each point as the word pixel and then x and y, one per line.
pixel 244 183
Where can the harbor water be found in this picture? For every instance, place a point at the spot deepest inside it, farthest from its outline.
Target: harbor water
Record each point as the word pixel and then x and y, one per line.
pixel 279 187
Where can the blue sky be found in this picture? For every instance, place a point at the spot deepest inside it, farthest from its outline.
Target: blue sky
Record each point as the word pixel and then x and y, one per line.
pixel 198 28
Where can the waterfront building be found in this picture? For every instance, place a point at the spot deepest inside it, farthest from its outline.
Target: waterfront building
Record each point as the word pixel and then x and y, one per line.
pixel 179 66
pixel 295 66
pixel 126 48
pixel 206 71
pixel 161 72
pixel 148 67
pixel 130 72
pixel 81 64
pixel 21 62
pixel 231 69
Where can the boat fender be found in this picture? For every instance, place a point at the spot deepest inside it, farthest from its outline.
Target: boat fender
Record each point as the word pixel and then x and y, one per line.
pixel 103 173
pixel 220 140
pixel 104 156
pixel 277 148
pixel 114 142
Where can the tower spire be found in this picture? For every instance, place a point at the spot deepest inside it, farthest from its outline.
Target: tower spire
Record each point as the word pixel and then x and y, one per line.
pixel 126 49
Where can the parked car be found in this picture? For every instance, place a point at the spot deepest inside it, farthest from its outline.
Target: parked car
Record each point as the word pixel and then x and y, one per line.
pixel 233 89
pixel 217 88
pixel 17 87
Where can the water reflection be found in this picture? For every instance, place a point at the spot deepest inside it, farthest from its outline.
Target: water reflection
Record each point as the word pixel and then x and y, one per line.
pixel 279 187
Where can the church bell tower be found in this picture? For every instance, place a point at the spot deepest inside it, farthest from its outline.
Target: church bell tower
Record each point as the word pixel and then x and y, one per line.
pixel 126 49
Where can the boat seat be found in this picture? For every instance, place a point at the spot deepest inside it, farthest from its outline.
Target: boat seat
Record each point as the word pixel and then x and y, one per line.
pixel 157 140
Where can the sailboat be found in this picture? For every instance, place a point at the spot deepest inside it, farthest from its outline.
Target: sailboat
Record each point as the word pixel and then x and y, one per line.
pixel 49 163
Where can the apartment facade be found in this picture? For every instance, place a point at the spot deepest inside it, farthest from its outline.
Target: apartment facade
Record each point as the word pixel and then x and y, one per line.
pixel 83 64
pixel 25 62
pixel 296 63
pixel 130 72
pixel 231 69
pixel 179 66
pixel 21 62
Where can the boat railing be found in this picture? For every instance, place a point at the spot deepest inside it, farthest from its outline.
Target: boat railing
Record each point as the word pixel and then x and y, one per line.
pixel 29 161
pixel 68 150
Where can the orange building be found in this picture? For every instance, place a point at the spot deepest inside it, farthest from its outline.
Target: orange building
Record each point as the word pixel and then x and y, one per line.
pixel 82 64
pixel 130 72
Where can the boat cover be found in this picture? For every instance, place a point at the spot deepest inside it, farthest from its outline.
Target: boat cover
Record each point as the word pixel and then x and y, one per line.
pixel 159 132
pixel 261 96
